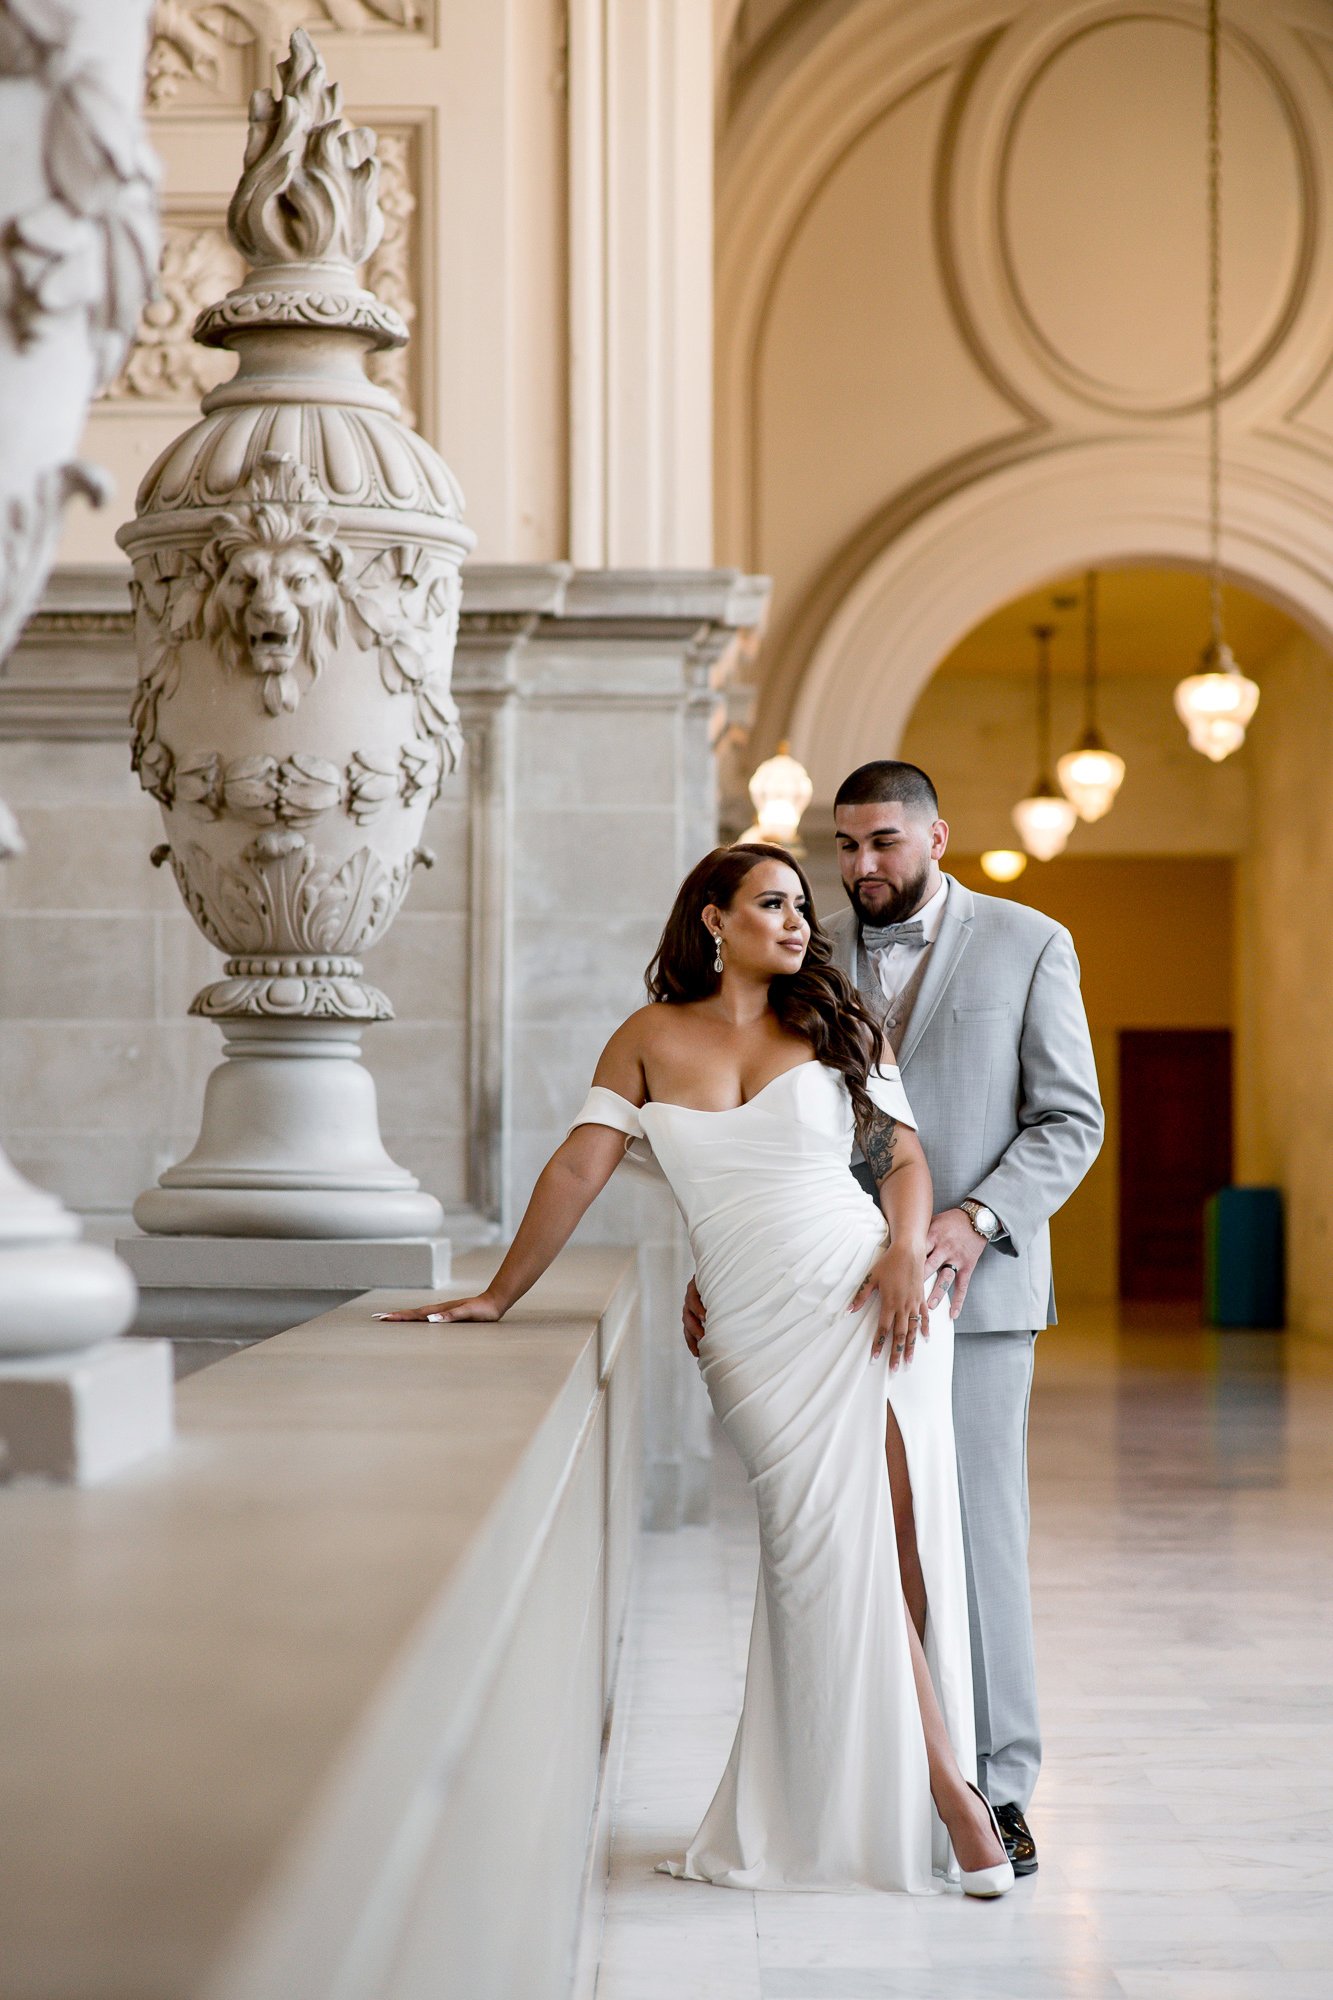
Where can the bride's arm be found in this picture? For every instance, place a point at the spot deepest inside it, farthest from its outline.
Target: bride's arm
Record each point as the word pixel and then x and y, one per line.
pixel 566 1189
pixel 895 1157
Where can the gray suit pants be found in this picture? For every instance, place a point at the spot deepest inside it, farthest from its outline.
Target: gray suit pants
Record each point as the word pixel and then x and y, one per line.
pixel 992 1384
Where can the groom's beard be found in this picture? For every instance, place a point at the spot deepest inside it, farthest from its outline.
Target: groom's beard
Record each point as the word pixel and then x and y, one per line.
pixel 892 908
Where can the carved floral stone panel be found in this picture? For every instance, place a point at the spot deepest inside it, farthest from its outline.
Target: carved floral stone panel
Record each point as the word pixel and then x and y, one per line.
pixel 391 271
pixel 189 37
pixel 165 364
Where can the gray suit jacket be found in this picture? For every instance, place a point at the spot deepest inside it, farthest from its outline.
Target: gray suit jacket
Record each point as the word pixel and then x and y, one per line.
pixel 998 1065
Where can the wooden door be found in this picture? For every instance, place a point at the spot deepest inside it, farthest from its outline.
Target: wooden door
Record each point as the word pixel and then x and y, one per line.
pixel 1175 1151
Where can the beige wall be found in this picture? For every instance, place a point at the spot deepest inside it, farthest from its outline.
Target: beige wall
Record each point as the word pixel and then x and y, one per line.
pixel 1154 935
pixel 1285 1078
pixel 1155 943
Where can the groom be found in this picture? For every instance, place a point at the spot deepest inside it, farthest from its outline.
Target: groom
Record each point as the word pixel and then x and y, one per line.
pixel 980 999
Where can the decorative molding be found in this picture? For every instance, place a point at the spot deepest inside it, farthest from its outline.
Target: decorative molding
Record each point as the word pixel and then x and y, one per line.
pixel 1015 324
pixel 405 605
pixel 390 270
pixel 265 592
pixel 279 901
pixel 165 364
pixel 351 312
pixel 72 675
pixel 359 456
pixel 189 37
pixel 269 593
pixel 1094 502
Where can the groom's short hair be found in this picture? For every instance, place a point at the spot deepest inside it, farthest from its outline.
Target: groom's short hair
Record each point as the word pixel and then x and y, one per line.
pixel 888 779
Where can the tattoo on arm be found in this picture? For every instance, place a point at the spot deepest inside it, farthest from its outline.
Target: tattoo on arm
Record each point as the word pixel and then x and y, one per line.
pixel 878 1145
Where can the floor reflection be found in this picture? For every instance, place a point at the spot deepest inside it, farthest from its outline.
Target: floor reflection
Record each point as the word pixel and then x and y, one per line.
pixel 1182 1564
pixel 1207 1405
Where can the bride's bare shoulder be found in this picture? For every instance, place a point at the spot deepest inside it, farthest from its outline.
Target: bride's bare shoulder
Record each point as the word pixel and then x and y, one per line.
pixel 650 1032
pixel 620 1065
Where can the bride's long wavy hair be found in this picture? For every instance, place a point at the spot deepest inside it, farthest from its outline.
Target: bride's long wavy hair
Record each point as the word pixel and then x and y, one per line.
pixel 819 1002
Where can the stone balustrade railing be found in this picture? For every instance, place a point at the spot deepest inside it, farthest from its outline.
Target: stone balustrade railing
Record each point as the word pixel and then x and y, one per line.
pixel 315 1704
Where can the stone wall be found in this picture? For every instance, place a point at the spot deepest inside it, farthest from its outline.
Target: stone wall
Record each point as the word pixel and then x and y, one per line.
pixel 589 701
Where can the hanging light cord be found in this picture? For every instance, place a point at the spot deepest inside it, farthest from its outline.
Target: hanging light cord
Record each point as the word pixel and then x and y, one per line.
pixel 1214 338
pixel 1090 654
pixel 1042 634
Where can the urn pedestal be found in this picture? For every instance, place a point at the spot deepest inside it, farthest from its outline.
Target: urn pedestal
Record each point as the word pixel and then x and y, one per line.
pixel 296 581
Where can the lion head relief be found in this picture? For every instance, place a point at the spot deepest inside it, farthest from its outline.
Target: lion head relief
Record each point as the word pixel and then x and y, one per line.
pixel 275 567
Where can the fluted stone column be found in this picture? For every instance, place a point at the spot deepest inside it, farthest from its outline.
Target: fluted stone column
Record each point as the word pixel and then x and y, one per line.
pixel 296 578
pixel 78 246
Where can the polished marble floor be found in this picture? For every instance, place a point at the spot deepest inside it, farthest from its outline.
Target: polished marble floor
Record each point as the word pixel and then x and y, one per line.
pixel 1182 1559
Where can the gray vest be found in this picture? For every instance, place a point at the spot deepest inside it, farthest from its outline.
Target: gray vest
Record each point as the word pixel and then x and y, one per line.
pixel 893 1016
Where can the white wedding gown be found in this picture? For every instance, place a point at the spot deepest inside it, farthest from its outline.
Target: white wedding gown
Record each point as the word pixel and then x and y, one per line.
pixel 826 1786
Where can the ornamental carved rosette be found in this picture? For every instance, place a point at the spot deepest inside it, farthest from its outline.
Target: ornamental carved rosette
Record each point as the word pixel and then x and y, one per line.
pixel 296 581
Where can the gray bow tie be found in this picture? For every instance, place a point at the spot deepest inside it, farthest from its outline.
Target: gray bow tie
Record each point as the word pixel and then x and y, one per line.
pixel 878 937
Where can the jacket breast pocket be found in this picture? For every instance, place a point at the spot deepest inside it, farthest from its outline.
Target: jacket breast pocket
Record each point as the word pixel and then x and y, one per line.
pixel 970 1015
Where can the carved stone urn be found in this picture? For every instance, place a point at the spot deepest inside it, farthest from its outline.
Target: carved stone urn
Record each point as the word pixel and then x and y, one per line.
pixel 296 582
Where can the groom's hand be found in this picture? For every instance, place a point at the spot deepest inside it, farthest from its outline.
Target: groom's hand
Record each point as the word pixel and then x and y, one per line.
pixel 693 1317
pixel 952 1241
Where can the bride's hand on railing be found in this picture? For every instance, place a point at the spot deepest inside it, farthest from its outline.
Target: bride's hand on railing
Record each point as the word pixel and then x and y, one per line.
pixel 898 1275
pixel 483 1307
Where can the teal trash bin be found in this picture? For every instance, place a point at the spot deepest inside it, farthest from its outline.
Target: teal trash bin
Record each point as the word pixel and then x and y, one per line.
pixel 1244 1281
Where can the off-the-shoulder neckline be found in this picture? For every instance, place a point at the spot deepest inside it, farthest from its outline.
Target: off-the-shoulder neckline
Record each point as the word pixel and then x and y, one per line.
pixel 729 1110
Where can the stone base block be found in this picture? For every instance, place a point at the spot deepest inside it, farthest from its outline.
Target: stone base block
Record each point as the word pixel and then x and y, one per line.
pixel 84 1416
pixel 287 1263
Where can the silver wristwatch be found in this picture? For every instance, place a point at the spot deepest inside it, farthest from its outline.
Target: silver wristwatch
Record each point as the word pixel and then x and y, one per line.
pixel 984 1220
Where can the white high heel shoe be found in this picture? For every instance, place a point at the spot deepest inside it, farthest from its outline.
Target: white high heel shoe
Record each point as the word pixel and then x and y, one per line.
pixel 997 1880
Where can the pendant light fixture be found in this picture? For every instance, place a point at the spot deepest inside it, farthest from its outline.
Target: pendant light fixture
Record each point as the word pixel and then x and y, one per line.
pixel 1090 774
pixel 1003 864
pixel 1216 704
pixel 780 791
pixel 1045 819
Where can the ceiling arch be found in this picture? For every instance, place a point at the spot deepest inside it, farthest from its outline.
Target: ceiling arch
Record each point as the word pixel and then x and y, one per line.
pixel 823 77
pixel 1090 504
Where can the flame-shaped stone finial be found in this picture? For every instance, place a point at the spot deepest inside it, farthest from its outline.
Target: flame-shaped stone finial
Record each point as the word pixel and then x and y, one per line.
pixel 309 189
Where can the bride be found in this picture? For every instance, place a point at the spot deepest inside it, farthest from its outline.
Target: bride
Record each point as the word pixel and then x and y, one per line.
pixel 747 1079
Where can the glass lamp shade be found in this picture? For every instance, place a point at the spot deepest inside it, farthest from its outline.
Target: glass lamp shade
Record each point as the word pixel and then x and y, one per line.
pixel 1217 705
pixel 1090 776
pixel 1003 864
pixel 780 790
pixel 1044 820
pixel 750 836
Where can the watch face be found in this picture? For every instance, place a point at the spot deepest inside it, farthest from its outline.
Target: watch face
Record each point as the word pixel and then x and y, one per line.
pixel 984 1219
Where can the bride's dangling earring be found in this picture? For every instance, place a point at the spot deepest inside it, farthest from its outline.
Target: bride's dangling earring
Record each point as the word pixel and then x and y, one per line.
pixel 717 955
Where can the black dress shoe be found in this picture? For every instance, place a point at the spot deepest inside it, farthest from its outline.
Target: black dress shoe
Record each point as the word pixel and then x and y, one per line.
pixel 1017 1837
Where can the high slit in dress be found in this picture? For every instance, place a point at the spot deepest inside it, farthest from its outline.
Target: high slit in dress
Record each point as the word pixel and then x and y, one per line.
pixel 826 1786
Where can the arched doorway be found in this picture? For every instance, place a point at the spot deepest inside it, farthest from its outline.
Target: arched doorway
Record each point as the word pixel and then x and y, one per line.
pixel 1089 505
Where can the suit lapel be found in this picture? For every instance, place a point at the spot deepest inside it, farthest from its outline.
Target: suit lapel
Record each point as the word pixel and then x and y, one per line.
pixel 955 934
pixel 842 933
